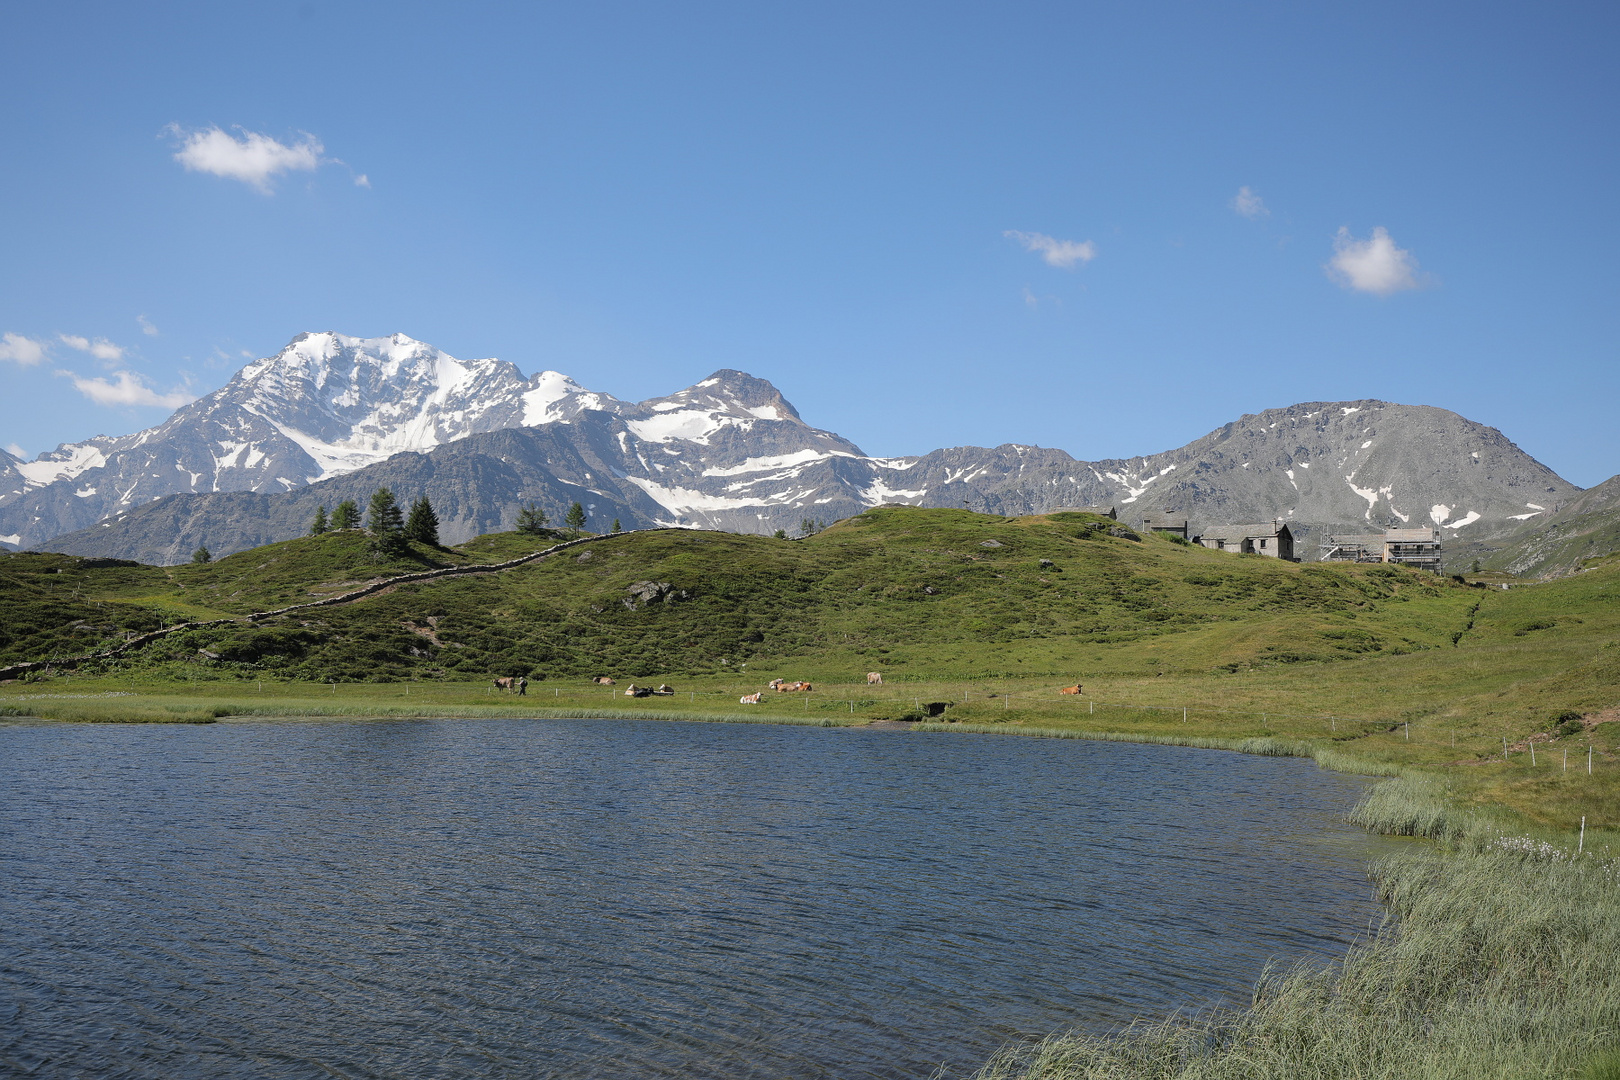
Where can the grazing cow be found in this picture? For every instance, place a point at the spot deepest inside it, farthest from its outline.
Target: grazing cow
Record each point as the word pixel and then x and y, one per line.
pixel 874 678
pixel 1075 689
pixel 502 683
pixel 602 680
pixel 750 699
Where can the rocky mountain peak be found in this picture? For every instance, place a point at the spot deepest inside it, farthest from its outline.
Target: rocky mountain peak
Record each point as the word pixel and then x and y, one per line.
pixel 729 392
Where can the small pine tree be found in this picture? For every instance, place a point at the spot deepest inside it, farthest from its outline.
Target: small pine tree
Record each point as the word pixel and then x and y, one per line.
pixel 384 517
pixel 386 524
pixel 809 527
pixel 779 534
pixel 346 515
pixel 202 555
pixel 531 519
pixel 423 524
pixel 319 525
pixel 575 518
pixel 616 525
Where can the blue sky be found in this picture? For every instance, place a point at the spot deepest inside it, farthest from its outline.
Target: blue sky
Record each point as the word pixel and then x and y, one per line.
pixel 1106 228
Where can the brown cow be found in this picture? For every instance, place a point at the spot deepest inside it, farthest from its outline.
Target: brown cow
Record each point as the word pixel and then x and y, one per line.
pixel 602 680
pixel 664 690
pixel 750 699
pixel 874 678
pixel 503 683
pixel 1075 689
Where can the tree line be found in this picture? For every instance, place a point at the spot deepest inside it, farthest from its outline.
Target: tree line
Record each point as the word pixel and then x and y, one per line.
pixel 392 529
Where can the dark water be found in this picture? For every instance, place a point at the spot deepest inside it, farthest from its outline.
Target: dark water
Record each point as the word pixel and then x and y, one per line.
pixel 618 899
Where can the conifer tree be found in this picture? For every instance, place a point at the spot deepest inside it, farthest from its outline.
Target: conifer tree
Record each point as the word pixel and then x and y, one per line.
pixel 576 517
pixel 386 524
pixel 423 524
pixel 202 555
pixel 384 517
pixel 346 515
pixel 616 525
pixel 531 519
pixel 319 525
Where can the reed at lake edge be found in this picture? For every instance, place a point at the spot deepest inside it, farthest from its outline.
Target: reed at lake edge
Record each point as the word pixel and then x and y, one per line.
pixel 1499 958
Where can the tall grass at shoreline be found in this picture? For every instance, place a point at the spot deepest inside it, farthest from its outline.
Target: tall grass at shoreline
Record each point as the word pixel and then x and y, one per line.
pixel 1265 745
pixel 1499 958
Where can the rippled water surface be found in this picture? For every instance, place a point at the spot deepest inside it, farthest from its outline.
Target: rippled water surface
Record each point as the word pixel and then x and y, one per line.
pixel 623 899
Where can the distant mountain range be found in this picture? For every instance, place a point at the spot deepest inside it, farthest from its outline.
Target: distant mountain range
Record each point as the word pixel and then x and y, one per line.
pixel 333 417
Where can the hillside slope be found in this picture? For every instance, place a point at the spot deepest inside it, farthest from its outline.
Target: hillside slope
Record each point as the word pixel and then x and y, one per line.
pixel 919 591
pixel 1586 527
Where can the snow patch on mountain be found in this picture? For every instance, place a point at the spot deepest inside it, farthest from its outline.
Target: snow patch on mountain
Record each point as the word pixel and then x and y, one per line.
pixel 878 493
pixel 687 425
pixel 72 461
pixel 765 464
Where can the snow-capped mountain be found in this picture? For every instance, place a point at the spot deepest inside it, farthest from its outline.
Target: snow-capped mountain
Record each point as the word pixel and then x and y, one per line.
pixel 325 405
pixel 729 452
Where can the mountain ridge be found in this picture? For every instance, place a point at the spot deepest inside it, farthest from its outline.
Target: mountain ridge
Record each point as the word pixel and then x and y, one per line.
pixel 329 415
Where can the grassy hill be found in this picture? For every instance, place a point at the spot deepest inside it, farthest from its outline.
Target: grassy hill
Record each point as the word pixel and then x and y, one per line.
pixel 922 593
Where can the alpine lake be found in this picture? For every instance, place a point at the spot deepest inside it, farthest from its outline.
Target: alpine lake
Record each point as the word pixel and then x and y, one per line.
pixel 625 899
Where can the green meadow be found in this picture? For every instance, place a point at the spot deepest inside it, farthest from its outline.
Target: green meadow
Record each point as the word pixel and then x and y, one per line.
pixel 1495 714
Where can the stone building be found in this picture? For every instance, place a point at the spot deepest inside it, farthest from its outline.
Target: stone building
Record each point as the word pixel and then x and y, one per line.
pixel 1270 538
pixel 1410 547
pixel 1165 524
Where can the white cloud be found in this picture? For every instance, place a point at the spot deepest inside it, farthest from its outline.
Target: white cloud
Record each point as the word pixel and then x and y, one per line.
pixel 253 159
pixel 21 350
pixel 127 389
pixel 1060 253
pixel 1250 205
pixel 101 348
pixel 146 326
pixel 363 181
pixel 16 451
pixel 1374 265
